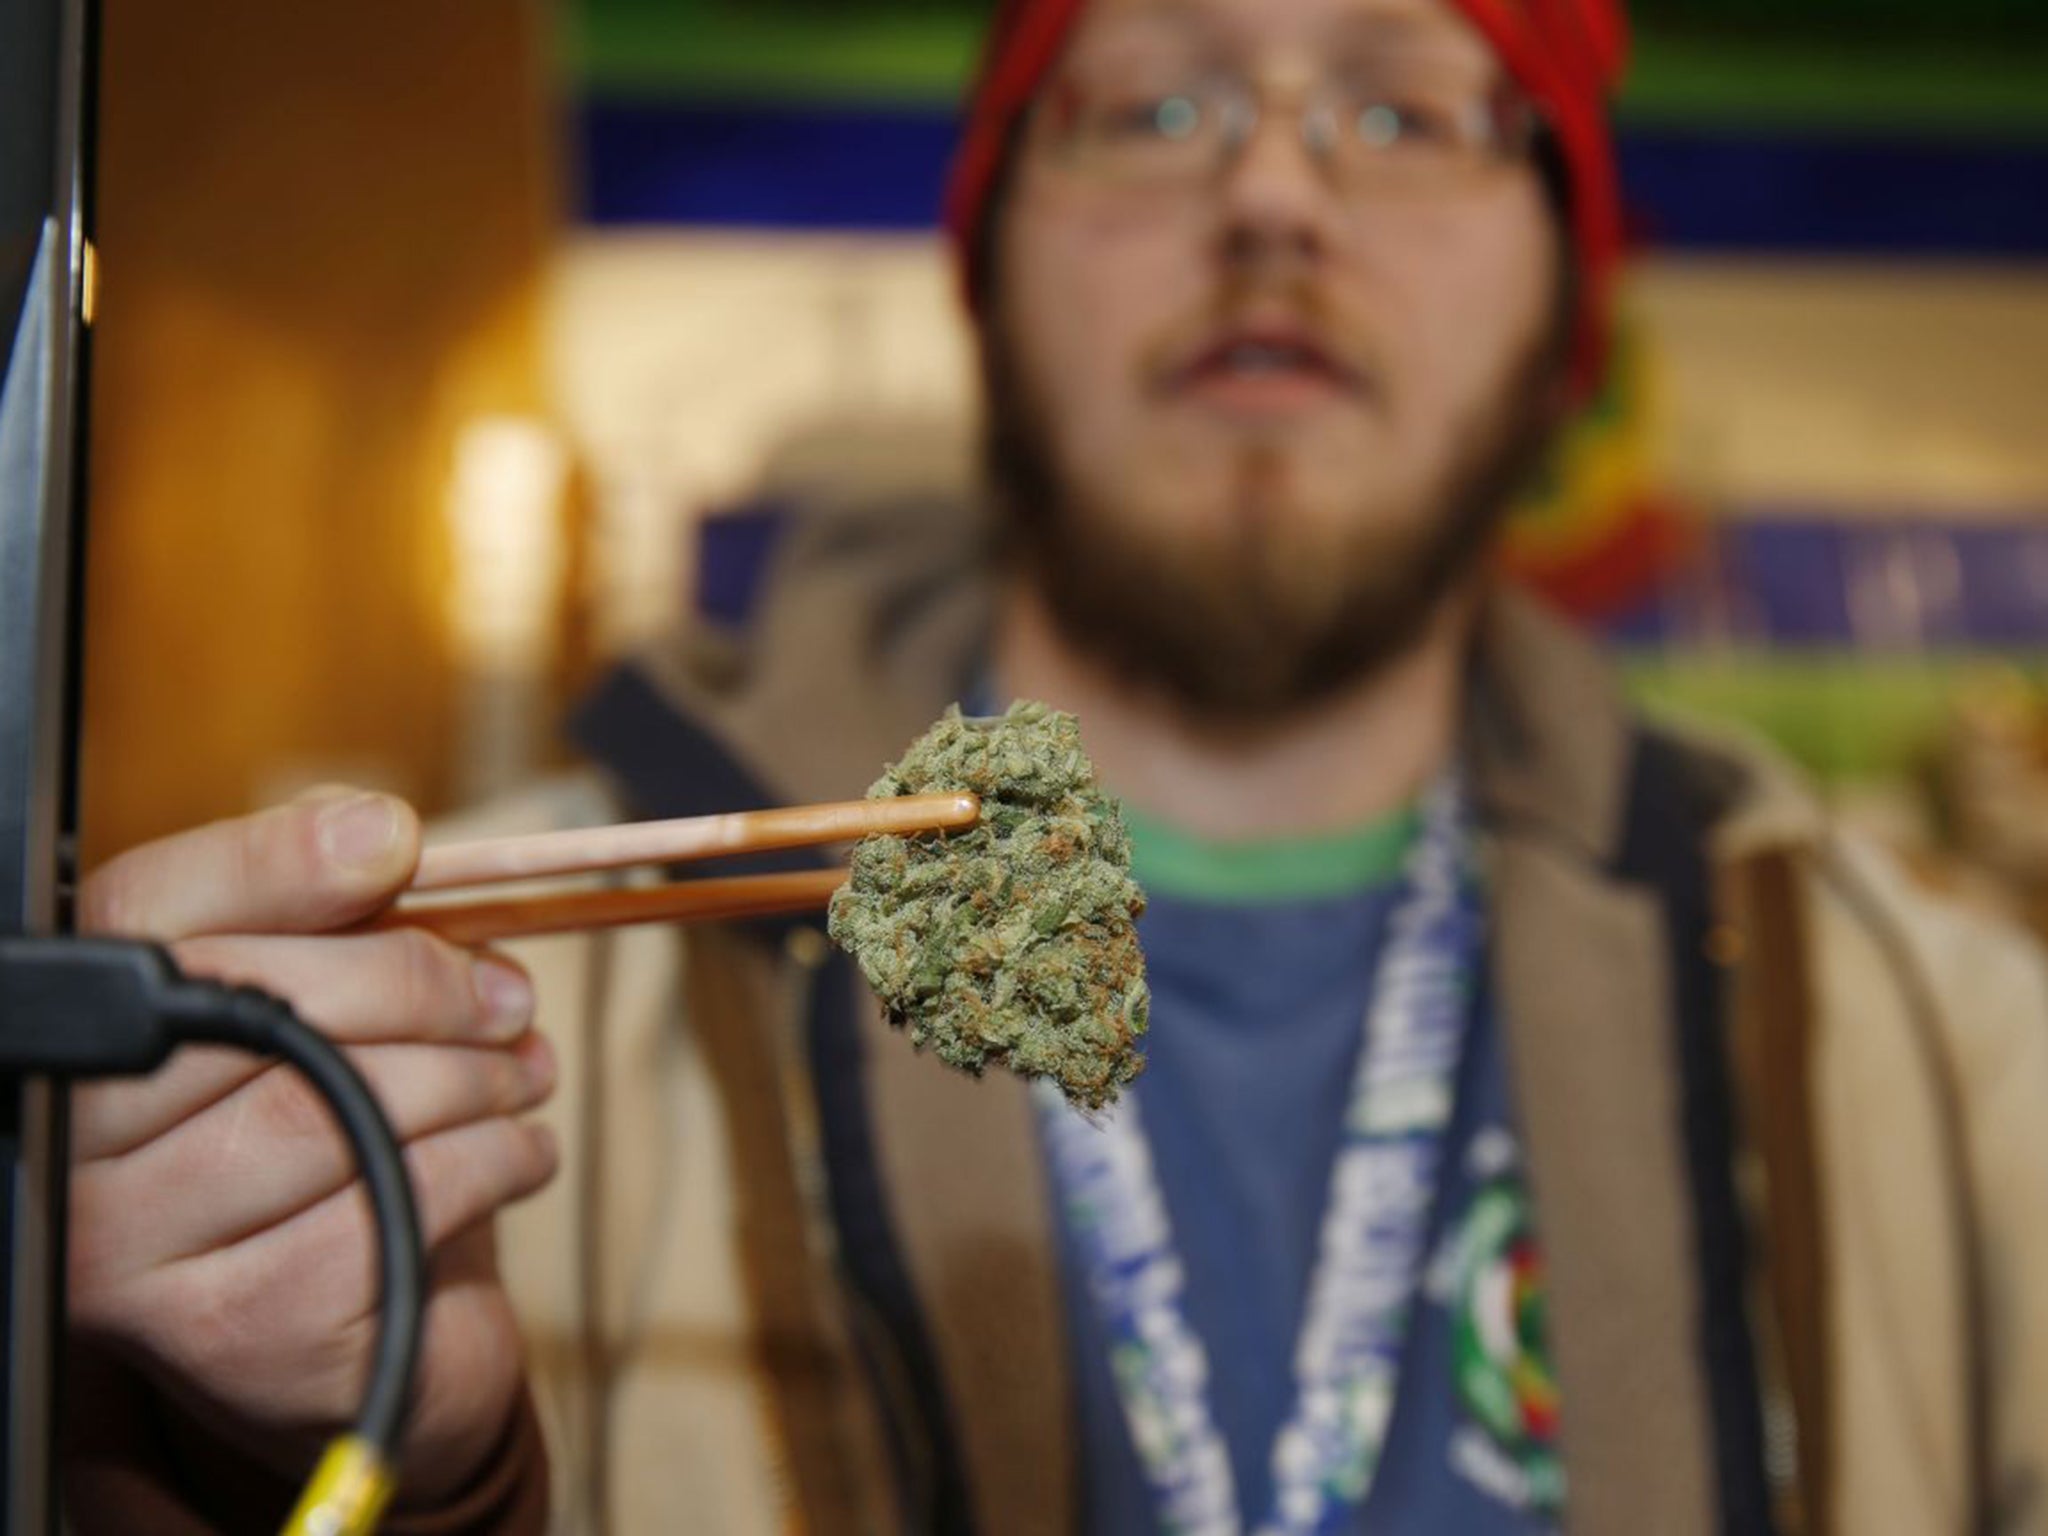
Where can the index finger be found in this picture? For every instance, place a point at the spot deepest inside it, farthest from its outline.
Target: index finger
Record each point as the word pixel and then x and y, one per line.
pixel 318 863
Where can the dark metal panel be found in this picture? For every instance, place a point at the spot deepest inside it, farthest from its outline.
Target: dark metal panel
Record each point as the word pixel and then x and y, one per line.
pixel 44 138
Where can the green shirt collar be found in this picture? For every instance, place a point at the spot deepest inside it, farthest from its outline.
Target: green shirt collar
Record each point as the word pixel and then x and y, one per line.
pixel 1170 862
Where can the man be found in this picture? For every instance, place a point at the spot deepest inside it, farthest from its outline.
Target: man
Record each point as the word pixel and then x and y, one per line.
pixel 1547 1123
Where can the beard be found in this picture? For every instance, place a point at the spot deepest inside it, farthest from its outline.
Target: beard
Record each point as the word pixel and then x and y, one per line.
pixel 1274 617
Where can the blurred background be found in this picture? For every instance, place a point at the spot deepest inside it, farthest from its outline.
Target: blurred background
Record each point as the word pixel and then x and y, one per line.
pixel 446 351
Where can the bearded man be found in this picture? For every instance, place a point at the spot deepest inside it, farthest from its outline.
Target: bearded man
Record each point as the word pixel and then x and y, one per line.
pixel 1547 1122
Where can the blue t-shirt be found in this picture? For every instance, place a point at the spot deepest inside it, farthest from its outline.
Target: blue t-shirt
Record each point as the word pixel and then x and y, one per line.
pixel 1261 961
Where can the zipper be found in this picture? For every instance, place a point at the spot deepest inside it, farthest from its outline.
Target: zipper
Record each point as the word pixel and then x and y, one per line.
pixel 1758 943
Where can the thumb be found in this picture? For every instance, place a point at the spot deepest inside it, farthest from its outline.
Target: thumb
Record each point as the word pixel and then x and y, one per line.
pixel 320 862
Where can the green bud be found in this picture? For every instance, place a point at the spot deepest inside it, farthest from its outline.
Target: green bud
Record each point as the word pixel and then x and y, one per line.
pixel 1013 943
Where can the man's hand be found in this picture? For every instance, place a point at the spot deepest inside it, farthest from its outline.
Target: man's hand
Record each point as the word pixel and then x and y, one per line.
pixel 218 1234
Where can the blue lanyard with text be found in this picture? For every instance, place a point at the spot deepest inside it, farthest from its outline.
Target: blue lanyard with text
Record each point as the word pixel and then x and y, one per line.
pixel 1347 1359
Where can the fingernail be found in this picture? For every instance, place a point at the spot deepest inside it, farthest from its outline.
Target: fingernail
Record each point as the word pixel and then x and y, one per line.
pixel 360 833
pixel 538 1057
pixel 506 997
pixel 547 1145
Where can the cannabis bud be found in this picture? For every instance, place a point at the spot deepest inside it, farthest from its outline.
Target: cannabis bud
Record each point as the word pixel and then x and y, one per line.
pixel 1013 942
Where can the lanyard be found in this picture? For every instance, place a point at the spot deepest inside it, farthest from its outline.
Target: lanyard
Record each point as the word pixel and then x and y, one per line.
pixel 1347 1359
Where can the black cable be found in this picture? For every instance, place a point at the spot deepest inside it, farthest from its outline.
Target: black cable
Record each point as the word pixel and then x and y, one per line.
pixel 95 1008
pixel 255 1021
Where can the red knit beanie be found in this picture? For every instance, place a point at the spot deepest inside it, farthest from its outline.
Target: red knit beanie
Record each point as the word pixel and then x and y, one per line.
pixel 1566 55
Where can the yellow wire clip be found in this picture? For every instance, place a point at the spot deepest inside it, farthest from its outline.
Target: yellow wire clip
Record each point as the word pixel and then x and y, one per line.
pixel 347 1494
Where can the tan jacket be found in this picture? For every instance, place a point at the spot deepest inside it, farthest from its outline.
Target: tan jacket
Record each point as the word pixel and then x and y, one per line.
pixel 1889 1137
pixel 708 1325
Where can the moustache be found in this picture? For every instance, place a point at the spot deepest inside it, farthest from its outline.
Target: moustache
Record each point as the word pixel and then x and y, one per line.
pixel 1298 328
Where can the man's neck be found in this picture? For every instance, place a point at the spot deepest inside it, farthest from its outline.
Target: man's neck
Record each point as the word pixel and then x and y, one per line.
pixel 1358 756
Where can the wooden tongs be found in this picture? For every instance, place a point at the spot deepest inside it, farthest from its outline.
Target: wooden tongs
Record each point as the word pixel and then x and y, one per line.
pixel 549 855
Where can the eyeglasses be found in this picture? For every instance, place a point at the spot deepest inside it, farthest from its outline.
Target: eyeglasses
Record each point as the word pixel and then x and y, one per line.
pixel 1369 135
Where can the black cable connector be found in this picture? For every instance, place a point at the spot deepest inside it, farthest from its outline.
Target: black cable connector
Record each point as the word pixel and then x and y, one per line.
pixel 89 1008
pixel 84 1007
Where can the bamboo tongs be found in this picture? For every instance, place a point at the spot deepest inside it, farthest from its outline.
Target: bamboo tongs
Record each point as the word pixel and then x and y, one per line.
pixel 560 854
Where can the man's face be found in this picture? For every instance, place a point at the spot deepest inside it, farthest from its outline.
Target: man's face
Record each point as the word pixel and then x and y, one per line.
pixel 1248 417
